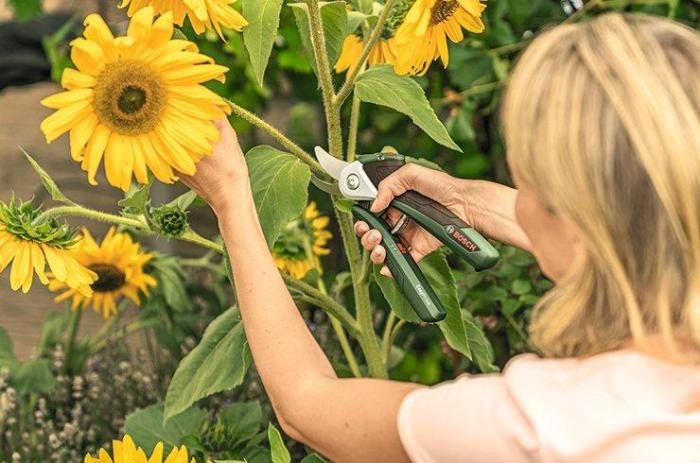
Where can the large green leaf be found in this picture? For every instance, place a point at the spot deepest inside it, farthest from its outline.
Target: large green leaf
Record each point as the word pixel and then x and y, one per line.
pixel 482 352
pixel 280 187
pixel 259 36
pixel 335 24
pixel 26 377
pixel 380 85
pixel 218 363
pixel 440 277
pixel 280 454
pixel 147 428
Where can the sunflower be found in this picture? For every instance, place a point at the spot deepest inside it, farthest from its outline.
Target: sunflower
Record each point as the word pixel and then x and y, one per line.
pixel 302 243
pixel 136 101
pixel 203 14
pixel 422 38
pixel 384 51
pixel 125 451
pixel 118 263
pixel 31 246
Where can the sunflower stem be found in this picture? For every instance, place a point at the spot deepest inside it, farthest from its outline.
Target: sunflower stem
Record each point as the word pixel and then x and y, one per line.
pixel 193 237
pixel 354 128
pixel 73 325
pixel 386 337
pixel 332 111
pixel 335 323
pixel 323 301
pixel 293 148
pixel 354 72
pixel 79 211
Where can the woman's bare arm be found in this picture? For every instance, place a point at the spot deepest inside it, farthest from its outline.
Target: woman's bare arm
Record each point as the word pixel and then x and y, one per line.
pixel 345 419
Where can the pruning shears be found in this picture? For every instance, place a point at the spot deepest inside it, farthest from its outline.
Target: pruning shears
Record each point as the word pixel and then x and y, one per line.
pixel 357 181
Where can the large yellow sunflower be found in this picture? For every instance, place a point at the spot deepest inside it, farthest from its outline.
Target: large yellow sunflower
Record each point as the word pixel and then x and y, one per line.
pixel 384 51
pixel 422 38
pixel 202 13
pixel 136 101
pixel 118 263
pixel 302 243
pixel 31 246
pixel 125 451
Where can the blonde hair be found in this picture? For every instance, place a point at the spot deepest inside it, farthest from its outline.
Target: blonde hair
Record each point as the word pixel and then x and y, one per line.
pixel 602 120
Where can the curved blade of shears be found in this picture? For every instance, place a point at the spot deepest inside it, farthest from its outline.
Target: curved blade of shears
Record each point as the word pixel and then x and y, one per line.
pixel 352 179
pixel 330 164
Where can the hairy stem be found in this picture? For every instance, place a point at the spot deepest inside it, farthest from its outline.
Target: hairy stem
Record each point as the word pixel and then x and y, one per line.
pixel 318 40
pixel 79 211
pixel 193 237
pixel 354 128
pixel 355 70
pixel 324 302
pixel 366 336
pixel 292 147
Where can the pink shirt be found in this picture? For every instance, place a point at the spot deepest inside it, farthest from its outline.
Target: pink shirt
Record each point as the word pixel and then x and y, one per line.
pixel 610 408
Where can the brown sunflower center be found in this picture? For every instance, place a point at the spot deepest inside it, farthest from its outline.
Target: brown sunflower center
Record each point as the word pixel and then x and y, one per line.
pixel 130 97
pixel 442 11
pixel 109 278
pixel 131 100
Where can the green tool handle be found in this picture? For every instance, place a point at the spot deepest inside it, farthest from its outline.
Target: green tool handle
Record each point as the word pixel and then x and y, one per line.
pixel 453 232
pixel 405 271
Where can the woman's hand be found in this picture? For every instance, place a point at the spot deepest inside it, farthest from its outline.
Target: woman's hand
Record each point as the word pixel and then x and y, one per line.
pixel 222 178
pixel 486 206
pixel 431 183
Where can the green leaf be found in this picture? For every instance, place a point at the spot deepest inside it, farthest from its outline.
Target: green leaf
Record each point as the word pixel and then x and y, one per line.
pixel 136 198
pixel 147 428
pixel 242 420
pixel 482 352
pixel 259 36
pixel 184 201
pixel 6 353
pixel 280 454
pixel 280 187
pixel 380 85
pixel 438 273
pixel 52 331
pixel 33 376
pixel 520 287
pixel 218 363
pixel 26 9
pixel 47 181
pixel 334 16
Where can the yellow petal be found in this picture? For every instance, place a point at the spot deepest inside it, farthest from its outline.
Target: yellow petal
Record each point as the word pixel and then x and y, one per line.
pixel 62 120
pixel 95 150
pixel 56 264
pixel 21 267
pixel 196 74
pixel 80 134
pixel 63 99
pixel 73 79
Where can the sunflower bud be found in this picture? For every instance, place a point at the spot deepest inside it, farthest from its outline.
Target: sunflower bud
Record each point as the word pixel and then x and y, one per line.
pixel 171 221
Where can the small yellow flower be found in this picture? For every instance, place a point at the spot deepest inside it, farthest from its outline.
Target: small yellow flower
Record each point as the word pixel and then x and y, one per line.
pixel 302 243
pixel 422 38
pixel 384 51
pixel 203 14
pixel 125 451
pixel 136 102
pixel 118 263
pixel 30 247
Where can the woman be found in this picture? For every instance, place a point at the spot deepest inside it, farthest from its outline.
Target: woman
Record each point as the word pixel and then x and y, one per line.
pixel 602 126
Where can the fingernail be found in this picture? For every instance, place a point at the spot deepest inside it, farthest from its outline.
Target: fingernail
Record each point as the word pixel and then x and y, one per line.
pixel 385 271
pixel 374 237
pixel 374 207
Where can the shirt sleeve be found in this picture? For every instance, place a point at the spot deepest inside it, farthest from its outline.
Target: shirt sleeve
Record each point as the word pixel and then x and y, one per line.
pixel 471 419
